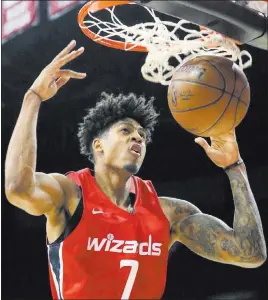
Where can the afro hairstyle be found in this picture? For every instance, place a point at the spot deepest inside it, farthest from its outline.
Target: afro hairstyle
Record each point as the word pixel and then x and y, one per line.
pixel 111 109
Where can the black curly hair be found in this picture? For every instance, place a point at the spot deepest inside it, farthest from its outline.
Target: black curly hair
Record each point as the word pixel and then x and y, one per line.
pixel 111 109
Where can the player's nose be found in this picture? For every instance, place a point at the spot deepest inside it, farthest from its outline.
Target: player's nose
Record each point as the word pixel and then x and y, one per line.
pixel 136 137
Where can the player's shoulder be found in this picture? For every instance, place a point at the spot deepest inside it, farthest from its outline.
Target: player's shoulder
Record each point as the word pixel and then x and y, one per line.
pixel 64 180
pixel 70 178
pixel 70 187
pixel 178 204
pixel 177 209
pixel 145 181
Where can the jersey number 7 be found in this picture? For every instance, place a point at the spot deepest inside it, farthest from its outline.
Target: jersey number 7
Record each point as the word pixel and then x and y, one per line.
pixel 134 265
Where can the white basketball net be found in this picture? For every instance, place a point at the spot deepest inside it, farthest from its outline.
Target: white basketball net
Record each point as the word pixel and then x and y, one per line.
pixel 162 41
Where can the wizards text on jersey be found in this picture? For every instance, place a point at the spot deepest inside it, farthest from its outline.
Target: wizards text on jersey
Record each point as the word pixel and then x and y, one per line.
pixel 121 246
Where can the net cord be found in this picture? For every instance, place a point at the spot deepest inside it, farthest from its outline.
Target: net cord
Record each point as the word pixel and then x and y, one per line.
pixel 163 43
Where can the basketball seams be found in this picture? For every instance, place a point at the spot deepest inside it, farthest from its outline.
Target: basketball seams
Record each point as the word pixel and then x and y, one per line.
pixel 225 109
pixel 199 83
pixel 209 86
pixel 231 94
pixel 223 78
pixel 228 112
pixel 239 97
pixel 199 107
pixel 211 103
pixel 235 113
pixel 239 101
pixel 231 97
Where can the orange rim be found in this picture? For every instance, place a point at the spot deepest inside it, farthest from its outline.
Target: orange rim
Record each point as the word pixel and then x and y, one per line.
pixel 94 6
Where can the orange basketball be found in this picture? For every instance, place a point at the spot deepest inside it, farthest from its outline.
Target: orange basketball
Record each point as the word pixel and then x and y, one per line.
pixel 209 95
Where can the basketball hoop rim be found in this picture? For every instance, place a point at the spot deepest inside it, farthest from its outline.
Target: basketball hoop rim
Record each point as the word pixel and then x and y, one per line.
pixel 95 6
pixel 144 38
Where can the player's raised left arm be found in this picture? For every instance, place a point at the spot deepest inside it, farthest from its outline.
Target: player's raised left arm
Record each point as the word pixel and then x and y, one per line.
pixel 244 244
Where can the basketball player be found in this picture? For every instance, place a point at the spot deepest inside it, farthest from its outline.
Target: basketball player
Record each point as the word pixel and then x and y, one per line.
pixel 108 235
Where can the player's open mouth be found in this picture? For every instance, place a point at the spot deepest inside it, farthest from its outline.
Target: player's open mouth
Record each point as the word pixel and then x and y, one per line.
pixel 135 153
pixel 135 149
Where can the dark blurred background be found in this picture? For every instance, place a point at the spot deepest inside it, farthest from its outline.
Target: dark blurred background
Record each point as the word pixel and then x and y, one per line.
pixel 176 165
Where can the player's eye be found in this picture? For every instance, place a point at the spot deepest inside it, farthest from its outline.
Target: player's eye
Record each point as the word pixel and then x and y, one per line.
pixel 125 130
pixel 142 134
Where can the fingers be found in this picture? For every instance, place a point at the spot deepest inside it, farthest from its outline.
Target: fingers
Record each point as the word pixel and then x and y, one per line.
pixel 66 75
pixel 203 143
pixel 230 136
pixel 69 57
pixel 70 74
pixel 61 77
pixel 66 50
pixel 61 82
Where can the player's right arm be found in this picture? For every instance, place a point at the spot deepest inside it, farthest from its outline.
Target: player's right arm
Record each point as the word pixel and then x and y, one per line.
pixel 37 193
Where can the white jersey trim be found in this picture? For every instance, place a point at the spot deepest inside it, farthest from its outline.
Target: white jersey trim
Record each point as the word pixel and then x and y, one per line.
pixel 61 270
pixel 59 287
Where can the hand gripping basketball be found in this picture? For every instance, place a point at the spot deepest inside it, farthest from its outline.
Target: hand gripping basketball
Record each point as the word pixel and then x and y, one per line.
pixel 52 78
pixel 223 150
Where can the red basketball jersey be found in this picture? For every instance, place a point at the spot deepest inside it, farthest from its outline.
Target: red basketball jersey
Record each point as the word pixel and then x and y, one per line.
pixel 112 254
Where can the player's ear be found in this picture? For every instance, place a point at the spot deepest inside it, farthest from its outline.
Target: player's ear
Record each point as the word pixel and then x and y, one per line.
pixel 97 145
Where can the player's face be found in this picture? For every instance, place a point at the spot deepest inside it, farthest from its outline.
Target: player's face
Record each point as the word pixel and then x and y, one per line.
pixel 124 146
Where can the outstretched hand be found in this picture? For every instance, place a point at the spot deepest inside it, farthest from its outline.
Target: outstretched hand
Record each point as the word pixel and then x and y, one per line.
pixel 223 150
pixel 52 78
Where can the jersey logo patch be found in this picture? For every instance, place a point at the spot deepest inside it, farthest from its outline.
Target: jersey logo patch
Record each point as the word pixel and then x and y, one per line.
pixel 95 212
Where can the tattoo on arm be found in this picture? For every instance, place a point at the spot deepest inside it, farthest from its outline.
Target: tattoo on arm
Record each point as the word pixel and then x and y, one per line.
pixel 177 209
pixel 209 237
pixel 248 232
pixel 244 245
